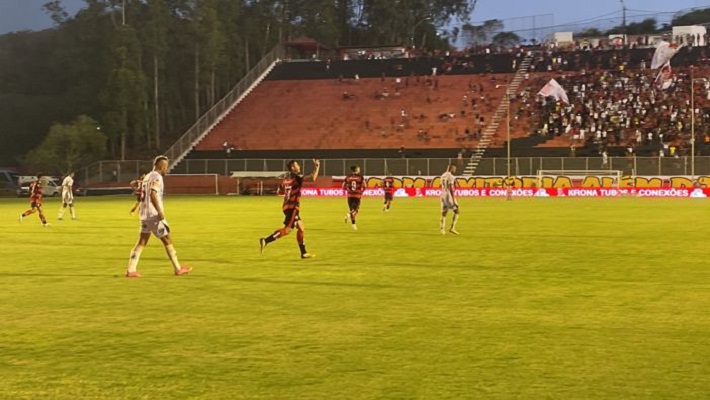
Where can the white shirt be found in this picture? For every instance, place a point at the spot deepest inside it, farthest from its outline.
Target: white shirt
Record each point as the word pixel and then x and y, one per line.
pixel 152 182
pixel 447 184
pixel 67 184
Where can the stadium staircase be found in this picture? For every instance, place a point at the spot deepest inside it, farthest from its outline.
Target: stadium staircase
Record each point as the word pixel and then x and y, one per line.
pixel 182 147
pixel 498 117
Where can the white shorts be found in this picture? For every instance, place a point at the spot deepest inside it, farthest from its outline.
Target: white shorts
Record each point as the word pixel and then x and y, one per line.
pixel 157 227
pixel 68 198
pixel 449 203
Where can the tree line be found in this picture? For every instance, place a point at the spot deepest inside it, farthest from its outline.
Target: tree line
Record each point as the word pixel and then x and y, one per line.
pixel 143 71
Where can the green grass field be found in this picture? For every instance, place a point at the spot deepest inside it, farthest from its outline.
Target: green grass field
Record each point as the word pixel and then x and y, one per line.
pixel 537 298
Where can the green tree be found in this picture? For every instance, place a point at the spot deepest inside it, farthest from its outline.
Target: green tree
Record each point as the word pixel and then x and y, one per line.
pixel 67 147
pixel 506 39
pixel 646 26
pixel 695 17
pixel 482 34
pixel 124 95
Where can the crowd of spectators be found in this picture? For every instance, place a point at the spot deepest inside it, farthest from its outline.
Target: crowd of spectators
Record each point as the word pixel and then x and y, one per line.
pixel 621 107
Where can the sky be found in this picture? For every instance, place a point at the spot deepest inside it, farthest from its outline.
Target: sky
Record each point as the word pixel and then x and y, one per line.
pixel 28 15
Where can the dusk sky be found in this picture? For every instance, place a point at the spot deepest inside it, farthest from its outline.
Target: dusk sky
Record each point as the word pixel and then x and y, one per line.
pixel 27 14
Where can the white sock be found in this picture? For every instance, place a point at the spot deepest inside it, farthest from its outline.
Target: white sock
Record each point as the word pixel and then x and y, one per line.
pixel 172 255
pixel 71 210
pixel 442 222
pixel 61 212
pixel 135 256
pixel 453 221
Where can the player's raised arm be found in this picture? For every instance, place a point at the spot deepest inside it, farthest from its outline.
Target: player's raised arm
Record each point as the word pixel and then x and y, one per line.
pixel 316 169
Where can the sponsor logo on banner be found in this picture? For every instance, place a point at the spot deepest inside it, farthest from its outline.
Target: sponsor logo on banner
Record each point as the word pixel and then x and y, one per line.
pixel 527 186
pixel 557 181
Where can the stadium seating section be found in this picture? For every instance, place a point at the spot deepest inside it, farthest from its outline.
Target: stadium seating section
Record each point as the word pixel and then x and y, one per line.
pixel 444 103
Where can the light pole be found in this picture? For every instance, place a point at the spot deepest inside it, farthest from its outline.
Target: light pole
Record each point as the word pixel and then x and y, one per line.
pixel 427 18
pixel 507 133
pixel 692 121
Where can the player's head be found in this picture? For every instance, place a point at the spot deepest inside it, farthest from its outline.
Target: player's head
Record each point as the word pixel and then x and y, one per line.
pixel 355 169
pixel 71 174
pixel 452 168
pixel 160 164
pixel 294 167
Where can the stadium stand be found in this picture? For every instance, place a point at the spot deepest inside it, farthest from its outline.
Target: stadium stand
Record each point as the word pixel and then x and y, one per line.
pixel 433 106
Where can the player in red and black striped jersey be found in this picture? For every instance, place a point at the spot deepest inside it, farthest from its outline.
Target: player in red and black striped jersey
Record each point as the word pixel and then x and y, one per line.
pixel 36 200
pixel 354 185
pixel 291 185
pixel 388 187
pixel 137 186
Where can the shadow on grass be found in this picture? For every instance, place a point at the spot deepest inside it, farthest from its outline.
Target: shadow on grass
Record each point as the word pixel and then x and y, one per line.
pixel 193 276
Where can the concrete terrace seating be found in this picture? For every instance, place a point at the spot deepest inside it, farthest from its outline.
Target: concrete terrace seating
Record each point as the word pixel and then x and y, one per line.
pixel 359 114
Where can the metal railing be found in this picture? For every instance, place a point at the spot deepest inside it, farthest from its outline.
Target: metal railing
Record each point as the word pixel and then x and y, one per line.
pixel 210 118
pixel 96 172
pixel 123 171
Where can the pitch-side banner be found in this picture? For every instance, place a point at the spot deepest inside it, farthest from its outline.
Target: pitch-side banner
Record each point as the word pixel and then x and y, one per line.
pixel 540 192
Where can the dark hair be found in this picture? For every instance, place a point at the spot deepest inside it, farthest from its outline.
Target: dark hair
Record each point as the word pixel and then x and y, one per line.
pixel 159 159
pixel 39 175
pixel 290 164
pixel 354 168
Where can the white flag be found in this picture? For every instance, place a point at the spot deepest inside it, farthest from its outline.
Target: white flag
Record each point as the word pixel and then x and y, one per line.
pixel 554 89
pixel 663 54
pixel 664 79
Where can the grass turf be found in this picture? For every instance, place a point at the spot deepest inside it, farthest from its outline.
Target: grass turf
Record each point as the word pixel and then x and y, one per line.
pixel 537 298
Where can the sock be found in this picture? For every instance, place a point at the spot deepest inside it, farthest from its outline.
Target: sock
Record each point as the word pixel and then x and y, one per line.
pixel 73 214
pixel 135 256
pixel 61 212
pixel 442 222
pixel 172 255
pixel 44 220
pixel 26 213
pixel 277 234
pixel 453 221
pixel 301 244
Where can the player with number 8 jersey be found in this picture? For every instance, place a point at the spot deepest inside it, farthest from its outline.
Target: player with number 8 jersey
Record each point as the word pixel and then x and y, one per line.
pixel 291 185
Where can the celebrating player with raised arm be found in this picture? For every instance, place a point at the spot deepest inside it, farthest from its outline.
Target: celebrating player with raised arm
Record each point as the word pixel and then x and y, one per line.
pixel 354 185
pixel 291 185
pixel 448 201
pixel 152 217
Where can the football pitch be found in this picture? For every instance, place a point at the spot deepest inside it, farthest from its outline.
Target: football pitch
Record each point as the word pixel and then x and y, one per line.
pixel 537 298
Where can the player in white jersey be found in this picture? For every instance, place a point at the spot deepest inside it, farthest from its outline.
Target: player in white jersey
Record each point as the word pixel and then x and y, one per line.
pixel 67 196
pixel 153 219
pixel 448 201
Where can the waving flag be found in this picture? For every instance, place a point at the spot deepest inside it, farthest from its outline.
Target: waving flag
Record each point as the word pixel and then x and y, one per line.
pixel 553 89
pixel 664 52
pixel 664 79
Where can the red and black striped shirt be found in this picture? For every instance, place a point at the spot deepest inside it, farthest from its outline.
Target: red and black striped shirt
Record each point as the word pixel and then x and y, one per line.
pixel 292 190
pixel 354 185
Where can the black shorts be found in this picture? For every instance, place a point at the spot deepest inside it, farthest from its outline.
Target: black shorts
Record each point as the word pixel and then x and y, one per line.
pixel 388 196
pixel 291 217
pixel 35 204
pixel 354 203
